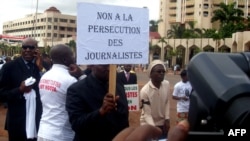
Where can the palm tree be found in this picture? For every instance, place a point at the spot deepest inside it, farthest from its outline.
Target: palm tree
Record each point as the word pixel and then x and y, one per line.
pixel 230 18
pixel 153 25
pixel 192 32
pixel 176 31
pixel 227 14
pixel 162 41
pixel 208 33
pixel 72 45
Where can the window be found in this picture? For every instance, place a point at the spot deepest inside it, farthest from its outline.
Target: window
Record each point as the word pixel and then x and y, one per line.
pixel 63 20
pixel 48 34
pixel 49 19
pixel 205 13
pixel 62 28
pixel 205 6
pixel 69 29
pixel 72 21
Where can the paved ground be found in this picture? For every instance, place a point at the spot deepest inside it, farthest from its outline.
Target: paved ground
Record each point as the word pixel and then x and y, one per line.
pixel 134 116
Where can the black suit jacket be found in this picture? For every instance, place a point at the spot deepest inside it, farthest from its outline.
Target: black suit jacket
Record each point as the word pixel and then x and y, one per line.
pixel 123 80
pixel 11 76
pixel 84 99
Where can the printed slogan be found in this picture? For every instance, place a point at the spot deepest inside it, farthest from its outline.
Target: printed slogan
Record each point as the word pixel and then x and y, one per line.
pixel 132 94
pixel 112 34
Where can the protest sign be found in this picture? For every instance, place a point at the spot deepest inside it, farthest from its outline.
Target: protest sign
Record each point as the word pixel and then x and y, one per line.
pixel 108 34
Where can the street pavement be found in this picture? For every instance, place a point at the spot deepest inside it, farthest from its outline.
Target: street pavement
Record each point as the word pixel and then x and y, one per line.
pixel 142 78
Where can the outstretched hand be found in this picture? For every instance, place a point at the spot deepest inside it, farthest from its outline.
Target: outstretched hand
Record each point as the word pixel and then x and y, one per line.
pixel 179 132
pixel 149 132
pixel 141 133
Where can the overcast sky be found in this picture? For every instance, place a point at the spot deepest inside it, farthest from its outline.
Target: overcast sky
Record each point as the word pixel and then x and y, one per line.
pixel 14 9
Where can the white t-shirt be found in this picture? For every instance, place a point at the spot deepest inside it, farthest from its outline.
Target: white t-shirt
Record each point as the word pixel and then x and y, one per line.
pixel 182 89
pixel 54 124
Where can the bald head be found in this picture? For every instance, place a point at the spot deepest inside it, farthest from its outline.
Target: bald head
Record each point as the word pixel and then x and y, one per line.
pixel 62 54
pixel 29 40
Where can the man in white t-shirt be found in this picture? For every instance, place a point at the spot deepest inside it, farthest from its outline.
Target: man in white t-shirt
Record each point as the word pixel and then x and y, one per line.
pixel 181 93
pixel 54 124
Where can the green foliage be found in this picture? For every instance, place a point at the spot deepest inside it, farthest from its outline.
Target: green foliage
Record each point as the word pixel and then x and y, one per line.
pixel 230 18
pixel 228 13
pixel 153 25
pixel 176 31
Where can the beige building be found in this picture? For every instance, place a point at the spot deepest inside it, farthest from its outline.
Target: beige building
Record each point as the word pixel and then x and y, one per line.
pixel 180 51
pixel 185 49
pixel 199 11
pixel 52 27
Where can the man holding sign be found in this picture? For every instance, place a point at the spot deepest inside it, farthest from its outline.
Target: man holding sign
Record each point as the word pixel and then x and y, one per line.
pixel 94 113
pixel 97 105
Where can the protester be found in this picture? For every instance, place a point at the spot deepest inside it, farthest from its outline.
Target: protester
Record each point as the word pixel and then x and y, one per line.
pixel 17 94
pixel 94 113
pixel 54 124
pixel 154 98
pixel 181 93
pixel 126 77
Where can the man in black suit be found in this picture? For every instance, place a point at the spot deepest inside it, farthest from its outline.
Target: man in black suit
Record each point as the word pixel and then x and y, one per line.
pixel 93 110
pixel 13 90
pixel 126 76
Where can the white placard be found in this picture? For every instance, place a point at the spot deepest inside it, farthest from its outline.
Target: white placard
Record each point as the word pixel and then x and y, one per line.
pixel 108 34
pixel 132 93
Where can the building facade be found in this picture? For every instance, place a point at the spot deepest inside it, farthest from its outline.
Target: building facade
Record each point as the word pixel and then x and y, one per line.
pixel 51 27
pixel 180 51
pixel 198 11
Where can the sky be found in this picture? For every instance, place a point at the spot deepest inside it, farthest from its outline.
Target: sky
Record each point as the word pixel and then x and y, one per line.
pixel 15 9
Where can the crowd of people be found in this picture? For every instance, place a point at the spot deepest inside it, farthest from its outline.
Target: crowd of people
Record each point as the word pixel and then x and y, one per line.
pixel 69 104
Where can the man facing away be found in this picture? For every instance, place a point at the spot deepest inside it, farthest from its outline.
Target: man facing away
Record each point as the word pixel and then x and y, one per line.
pixel 54 124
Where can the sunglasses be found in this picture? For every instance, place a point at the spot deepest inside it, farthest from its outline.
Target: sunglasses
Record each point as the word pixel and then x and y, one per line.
pixel 30 47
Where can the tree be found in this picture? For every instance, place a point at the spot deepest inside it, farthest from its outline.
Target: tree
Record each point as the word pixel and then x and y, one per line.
pixel 208 33
pixel 230 18
pixel 176 31
pixel 227 14
pixel 192 32
pixel 162 41
pixel 153 25
pixel 72 45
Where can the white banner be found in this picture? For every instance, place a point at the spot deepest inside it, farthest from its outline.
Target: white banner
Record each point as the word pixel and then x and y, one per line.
pixel 112 34
pixel 132 93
